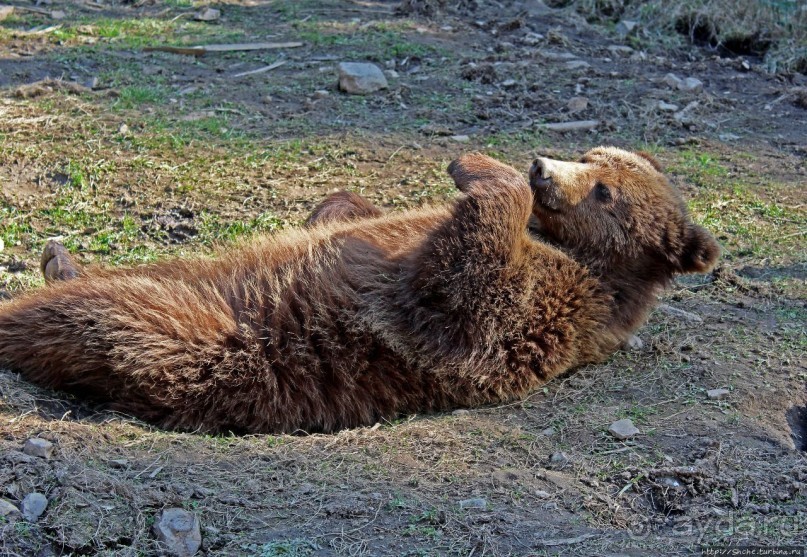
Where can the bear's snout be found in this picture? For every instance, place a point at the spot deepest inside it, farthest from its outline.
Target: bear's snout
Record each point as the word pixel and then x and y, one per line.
pixel 539 175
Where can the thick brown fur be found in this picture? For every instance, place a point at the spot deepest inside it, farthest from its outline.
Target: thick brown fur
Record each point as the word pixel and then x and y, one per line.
pixel 347 321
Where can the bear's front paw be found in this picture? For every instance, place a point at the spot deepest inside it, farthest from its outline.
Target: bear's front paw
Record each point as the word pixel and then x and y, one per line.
pixel 476 168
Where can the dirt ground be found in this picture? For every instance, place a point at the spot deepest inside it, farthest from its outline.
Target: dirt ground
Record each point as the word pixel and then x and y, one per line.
pixel 131 155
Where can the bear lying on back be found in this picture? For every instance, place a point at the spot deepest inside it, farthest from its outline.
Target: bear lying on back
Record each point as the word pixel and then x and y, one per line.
pixel 362 316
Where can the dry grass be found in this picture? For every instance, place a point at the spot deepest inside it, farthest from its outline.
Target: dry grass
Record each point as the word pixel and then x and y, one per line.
pixel 775 29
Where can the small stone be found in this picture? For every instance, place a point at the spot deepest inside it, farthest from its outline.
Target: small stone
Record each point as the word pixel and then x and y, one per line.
pixel 577 104
pixel 208 14
pixel 8 509
pixel 2 244
pixel 33 505
pixel 360 79
pixel 681 314
pixel 620 49
pixel 123 129
pixel 670 482
pixel 460 138
pixel 6 11
pixel 717 394
pixel 626 27
pixel 38 447
pixel 532 39
pixel 179 531
pixel 118 463
pixel 541 494
pixel 558 460
pixel 623 429
pixel 548 432
pixel 58 14
pixel 91 83
pixel 728 137
pixel 320 94
pixel 577 64
pixel 392 74
pixel 509 84
pixel 667 107
pixel 460 412
pixel 476 503
pixel 672 80
pixel 691 85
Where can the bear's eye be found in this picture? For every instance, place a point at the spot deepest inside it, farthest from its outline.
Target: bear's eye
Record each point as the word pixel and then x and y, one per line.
pixel 602 193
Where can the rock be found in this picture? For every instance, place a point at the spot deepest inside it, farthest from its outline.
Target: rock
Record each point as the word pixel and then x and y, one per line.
pixel 321 94
pixel 392 74
pixel 460 138
pixel 208 14
pixel 576 64
pixel 38 447
pixel 123 129
pixel 623 429
pixel 118 463
pixel 509 84
pixel 577 104
pixel 728 137
pixel 717 394
pixel 549 432
pixel 461 412
pixel 2 244
pixel 541 494
pixel 670 482
pixel 691 85
pixel 633 343
pixel 361 79
pixel 179 531
pixel 532 39
pixel 6 11
pixel 679 314
pixel 667 107
pixel 558 460
pixel 626 27
pixel 672 80
pixel 33 505
pixel 91 83
pixel 476 503
pixel 620 50
pixel 58 14
pixel 8 509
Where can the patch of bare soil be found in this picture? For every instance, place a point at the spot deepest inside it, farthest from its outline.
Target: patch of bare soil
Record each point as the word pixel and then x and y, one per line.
pixel 203 150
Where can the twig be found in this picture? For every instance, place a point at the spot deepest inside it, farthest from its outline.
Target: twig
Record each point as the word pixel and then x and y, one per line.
pixel 204 49
pixel 566 541
pixel 262 70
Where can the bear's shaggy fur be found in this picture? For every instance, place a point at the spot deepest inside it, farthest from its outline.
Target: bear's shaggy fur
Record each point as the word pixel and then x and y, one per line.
pixel 362 316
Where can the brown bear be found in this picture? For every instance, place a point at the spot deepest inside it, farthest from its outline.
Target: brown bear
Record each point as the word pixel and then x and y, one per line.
pixel 363 316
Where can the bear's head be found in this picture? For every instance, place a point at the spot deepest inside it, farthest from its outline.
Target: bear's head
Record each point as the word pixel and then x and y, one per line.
pixel 615 210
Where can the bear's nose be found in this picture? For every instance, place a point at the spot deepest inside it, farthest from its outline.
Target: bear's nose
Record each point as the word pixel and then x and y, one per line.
pixel 539 175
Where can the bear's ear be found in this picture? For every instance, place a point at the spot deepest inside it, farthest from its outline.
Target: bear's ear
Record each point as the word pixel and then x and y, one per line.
pixel 700 251
pixel 651 159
